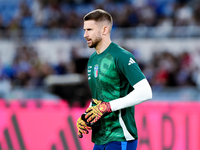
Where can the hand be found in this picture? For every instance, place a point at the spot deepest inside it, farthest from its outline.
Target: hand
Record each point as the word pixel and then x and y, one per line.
pixel 94 113
pixel 82 126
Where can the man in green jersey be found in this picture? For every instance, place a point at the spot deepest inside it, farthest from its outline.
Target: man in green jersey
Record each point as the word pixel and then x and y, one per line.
pixel 117 85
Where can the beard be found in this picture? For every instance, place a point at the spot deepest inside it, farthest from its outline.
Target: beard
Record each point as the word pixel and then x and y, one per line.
pixel 95 42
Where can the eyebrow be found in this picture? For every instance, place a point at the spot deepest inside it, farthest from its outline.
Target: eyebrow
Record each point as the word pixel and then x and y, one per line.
pixel 87 29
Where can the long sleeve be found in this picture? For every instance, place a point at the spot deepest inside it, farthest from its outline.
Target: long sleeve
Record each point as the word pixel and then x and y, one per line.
pixel 142 92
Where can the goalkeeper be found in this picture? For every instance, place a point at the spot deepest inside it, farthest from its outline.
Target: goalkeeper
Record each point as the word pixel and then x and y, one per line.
pixel 117 85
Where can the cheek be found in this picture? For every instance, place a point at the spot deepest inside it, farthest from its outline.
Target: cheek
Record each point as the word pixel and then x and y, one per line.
pixel 99 35
pixel 93 35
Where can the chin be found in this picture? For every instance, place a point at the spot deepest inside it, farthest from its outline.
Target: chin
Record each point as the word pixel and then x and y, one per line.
pixel 91 46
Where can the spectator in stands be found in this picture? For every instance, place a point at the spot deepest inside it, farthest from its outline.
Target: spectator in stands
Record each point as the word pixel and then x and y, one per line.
pixel 24 10
pixel 2 28
pixel 39 13
pixel 197 14
pixel 183 14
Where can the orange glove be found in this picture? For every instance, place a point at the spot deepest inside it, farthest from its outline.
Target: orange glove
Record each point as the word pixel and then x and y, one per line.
pixel 94 113
pixel 82 126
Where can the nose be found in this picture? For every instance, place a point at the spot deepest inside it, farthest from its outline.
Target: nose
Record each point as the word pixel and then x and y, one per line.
pixel 85 34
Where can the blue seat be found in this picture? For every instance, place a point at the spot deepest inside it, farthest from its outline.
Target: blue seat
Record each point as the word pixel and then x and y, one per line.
pixel 27 22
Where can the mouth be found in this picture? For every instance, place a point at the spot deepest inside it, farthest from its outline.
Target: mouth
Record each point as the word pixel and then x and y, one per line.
pixel 89 41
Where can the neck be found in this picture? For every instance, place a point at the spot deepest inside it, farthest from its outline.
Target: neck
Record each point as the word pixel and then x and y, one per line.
pixel 102 46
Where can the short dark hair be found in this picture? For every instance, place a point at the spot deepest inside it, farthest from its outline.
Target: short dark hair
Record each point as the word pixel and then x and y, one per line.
pixel 98 15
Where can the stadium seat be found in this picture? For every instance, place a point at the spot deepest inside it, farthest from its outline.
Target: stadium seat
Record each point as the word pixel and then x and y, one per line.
pixel 27 22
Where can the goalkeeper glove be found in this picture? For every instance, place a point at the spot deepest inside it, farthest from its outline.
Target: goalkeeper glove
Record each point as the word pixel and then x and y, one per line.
pixel 94 113
pixel 82 126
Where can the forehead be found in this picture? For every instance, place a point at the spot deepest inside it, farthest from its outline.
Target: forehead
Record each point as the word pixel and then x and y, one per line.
pixel 90 24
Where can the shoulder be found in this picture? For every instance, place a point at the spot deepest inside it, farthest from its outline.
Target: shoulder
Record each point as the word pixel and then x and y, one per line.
pixel 120 53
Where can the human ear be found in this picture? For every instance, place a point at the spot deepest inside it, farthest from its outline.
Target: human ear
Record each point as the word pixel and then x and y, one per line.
pixel 105 30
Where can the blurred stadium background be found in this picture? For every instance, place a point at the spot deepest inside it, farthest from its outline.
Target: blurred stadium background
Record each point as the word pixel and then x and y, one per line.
pixel 43 76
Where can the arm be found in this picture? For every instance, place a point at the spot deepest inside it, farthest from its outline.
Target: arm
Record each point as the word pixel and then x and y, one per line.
pixel 142 92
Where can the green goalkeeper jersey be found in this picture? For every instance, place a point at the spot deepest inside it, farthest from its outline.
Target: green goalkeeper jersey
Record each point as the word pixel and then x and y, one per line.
pixel 111 75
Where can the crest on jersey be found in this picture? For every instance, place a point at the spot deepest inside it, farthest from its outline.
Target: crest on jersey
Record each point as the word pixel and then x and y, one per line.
pixel 96 68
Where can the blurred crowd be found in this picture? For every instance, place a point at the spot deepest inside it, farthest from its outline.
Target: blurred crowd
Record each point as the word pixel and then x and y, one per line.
pixel 68 14
pixel 167 69
pixel 28 70
pixel 163 69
